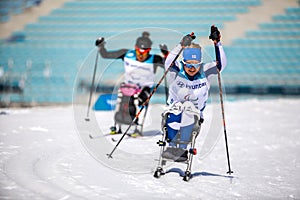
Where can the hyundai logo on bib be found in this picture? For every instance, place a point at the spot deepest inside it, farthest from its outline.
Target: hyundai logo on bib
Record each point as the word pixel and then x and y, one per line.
pixel 180 84
pixel 197 86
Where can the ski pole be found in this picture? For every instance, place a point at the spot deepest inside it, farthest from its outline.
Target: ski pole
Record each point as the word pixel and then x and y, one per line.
pixel 163 47
pixel 166 89
pixel 144 117
pixel 148 99
pixel 224 124
pixel 92 88
pixel 145 103
pixel 98 42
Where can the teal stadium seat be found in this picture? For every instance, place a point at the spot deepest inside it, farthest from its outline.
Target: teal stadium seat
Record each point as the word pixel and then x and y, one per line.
pixel 277 46
pixel 62 40
pixel 14 7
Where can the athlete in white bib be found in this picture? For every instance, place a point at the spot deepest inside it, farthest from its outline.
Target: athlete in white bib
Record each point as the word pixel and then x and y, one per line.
pixel 140 66
pixel 189 83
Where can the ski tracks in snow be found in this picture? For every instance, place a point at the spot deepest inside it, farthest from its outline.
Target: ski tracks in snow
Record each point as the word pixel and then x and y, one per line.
pixel 42 158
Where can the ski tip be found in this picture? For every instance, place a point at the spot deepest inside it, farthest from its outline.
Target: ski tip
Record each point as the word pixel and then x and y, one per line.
pixel 90 136
pixel 87 119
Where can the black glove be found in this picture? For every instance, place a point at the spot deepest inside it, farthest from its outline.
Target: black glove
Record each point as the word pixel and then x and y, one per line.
pixel 164 49
pixel 99 42
pixel 187 40
pixel 214 34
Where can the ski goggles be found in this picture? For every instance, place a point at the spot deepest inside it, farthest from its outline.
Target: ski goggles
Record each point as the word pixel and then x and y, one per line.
pixel 190 65
pixel 142 51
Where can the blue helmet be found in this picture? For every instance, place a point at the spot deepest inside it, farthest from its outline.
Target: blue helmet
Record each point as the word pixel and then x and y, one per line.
pixel 192 54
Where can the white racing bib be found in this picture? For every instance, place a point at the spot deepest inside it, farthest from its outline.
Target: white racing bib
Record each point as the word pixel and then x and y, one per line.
pixel 141 73
pixel 196 91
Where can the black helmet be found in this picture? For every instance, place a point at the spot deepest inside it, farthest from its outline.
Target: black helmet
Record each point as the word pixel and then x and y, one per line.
pixel 144 41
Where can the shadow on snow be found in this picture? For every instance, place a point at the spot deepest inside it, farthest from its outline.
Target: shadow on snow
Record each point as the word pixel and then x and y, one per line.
pixel 196 174
pixel 152 133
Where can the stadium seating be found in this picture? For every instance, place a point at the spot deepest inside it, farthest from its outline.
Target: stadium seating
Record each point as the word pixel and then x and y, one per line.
pixel 272 53
pixel 13 7
pixel 54 49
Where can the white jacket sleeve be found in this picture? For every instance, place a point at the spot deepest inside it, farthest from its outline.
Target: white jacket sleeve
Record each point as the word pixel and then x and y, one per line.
pixel 223 58
pixel 172 55
pixel 213 67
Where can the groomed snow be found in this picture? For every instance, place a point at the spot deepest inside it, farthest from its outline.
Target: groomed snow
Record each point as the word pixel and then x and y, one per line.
pixel 46 154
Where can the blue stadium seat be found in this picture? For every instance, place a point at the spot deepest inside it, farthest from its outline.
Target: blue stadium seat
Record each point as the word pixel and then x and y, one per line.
pixel 14 7
pixel 63 39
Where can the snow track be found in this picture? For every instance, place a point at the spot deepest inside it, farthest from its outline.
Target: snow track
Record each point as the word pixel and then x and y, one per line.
pixel 42 157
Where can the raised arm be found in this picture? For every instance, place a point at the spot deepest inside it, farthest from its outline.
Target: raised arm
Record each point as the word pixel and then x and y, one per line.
pixel 119 54
pixel 171 56
pixel 215 36
pixel 221 60
pixel 159 61
pixel 185 41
